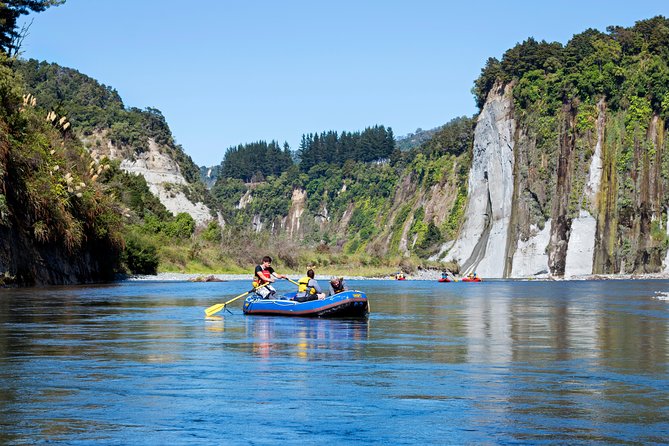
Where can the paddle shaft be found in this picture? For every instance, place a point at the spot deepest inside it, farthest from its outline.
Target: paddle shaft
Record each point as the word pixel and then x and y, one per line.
pixel 218 307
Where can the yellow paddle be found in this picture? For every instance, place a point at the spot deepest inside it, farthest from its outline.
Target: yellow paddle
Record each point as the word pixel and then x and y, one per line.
pixel 218 307
pixel 292 281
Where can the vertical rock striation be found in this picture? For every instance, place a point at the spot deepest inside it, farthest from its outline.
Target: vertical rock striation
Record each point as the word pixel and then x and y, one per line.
pixel 481 243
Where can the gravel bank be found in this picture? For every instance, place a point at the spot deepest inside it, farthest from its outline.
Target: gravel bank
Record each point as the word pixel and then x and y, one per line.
pixel 418 275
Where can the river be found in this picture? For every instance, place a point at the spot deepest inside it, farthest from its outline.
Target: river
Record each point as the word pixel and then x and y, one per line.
pixel 497 362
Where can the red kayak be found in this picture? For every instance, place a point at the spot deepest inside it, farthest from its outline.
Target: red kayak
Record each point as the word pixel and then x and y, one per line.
pixel 445 279
pixel 467 279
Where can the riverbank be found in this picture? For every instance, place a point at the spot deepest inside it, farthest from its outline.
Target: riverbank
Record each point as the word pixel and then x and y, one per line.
pixel 424 274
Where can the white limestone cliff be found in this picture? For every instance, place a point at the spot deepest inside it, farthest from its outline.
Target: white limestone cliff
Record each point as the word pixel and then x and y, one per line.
pixel 581 248
pixel 162 175
pixel 297 206
pixel 481 243
pixel 530 258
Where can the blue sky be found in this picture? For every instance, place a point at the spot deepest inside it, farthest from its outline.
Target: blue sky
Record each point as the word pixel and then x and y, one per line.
pixel 230 72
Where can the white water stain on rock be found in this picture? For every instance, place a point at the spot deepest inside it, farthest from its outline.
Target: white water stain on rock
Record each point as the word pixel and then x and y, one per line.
pixel 530 258
pixel 581 249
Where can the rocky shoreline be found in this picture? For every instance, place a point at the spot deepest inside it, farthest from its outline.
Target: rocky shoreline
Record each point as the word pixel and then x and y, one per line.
pixel 427 275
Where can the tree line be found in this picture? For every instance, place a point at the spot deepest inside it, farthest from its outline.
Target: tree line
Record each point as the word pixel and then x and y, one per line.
pixel 256 161
pixel 372 144
pixel 259 160
pixel 619 64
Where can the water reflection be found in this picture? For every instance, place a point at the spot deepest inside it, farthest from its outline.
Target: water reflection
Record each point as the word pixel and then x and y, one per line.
pixel 500 362
pixel 300 338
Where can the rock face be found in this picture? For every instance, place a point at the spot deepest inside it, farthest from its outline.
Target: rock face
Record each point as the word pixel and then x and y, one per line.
pixel 530 259
pixel 581 248
pixel 29 263
pixel 584 202
pixel 292 223
pixel 164 179
pixel 482 241
pixel 162 175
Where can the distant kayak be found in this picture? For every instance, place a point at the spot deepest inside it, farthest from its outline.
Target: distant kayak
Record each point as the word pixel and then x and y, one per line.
pixel 445 279
pixel 345 304
pixel 400 278
pixel 467 279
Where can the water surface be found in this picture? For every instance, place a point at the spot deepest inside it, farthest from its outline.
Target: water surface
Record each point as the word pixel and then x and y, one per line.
pixel 435 363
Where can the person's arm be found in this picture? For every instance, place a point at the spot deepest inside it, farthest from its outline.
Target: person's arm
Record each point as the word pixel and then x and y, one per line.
pixel 332 291
pixel 258 278
pixel 313 283
pixel 277 275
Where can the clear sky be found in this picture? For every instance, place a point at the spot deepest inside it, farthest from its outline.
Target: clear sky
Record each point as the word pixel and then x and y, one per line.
pixel 230 72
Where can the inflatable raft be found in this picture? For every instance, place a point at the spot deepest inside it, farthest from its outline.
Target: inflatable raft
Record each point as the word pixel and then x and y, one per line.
pixel 350 303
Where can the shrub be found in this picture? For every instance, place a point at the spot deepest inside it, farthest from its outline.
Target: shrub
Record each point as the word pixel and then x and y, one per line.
pixel 140 257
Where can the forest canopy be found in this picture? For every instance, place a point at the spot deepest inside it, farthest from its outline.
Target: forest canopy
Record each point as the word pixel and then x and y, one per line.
pixel 620 64
pixel 256 161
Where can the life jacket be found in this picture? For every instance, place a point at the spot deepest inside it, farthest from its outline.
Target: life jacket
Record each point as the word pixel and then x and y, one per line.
pixel 302 286
pixel 339 288
pixel 263 273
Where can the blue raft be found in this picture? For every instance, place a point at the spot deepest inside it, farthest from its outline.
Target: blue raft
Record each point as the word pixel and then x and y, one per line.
pixel 350 303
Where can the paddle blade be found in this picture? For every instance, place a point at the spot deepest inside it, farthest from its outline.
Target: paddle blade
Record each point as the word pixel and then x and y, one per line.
pixel 214 309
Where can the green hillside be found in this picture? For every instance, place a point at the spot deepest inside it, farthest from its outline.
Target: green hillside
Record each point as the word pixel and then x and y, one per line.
pixel 343 201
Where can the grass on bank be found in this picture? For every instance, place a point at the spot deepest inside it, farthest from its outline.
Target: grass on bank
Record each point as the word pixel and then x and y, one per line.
pixel 240 255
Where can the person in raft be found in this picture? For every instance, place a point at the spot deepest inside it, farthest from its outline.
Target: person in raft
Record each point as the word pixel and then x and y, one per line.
pixel 308 288
pixel 337 285
pixel 265 274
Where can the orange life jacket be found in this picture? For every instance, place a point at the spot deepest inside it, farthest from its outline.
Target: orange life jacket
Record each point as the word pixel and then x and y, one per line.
pixel 262 277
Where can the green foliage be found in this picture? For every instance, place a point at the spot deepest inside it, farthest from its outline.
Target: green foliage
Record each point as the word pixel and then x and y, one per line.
pixel 374 143
pixel 484 83
pixel 454 138
pixel 51 197
pixel 624 63
pixel 415 139
pixel 638 114
pixel 212 233
pixel 93 108
pixel 133 191
pixel 134 128
pixel 227 192
pixel 418 226
pixel 586 118
pixel 140 256
pixel 430 241
pixel 256 161
pixel 457 212
pixel 398 226
pixel 181 227
pixel 272 199
pixel 88 104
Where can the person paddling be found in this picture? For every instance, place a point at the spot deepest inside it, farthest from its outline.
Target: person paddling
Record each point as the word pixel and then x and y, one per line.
pixel 264 273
